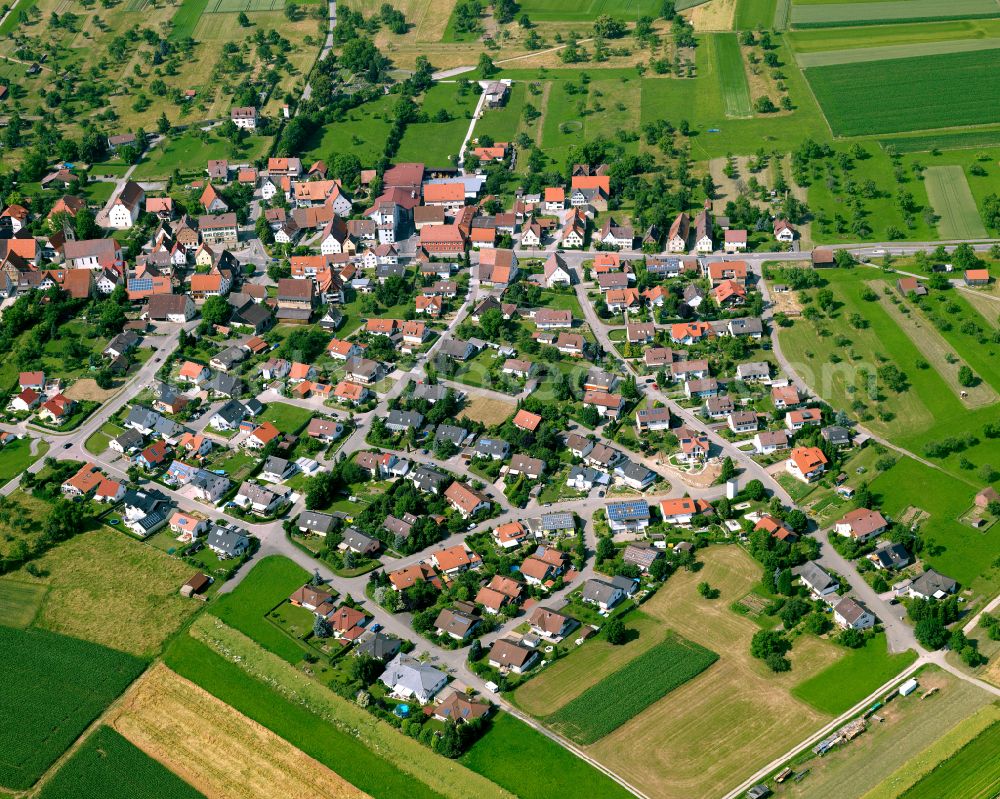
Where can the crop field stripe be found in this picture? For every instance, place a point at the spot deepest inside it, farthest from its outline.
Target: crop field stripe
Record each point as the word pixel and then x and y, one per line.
pixel 751 14
pixel 829 14
pixel 893 51
pixel 732 76
pixel 621 696
pixel 782 11
pixel 54 686
pixel 952 200
pixel 973 772
pixel 108 765
pixel 964 140
pixel 909 94
pixel 186 18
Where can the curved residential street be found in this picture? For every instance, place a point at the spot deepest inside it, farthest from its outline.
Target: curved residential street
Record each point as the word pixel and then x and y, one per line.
pixel 274 541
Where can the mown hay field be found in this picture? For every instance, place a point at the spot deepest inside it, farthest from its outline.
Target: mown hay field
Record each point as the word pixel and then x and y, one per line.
pixel 952 200
pixel 973 772
pixel 701 738
pixel 904 94
pixel 214 747
pixel 107 587
pixel 54 686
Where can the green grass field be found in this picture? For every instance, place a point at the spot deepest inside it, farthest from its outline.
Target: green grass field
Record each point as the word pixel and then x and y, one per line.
pixel 186 18
pixel 287 418
pixel 972 773
pixel 268 584
pixel 16 456
pixel 188 153
pixel 321 738
pixel 362 132
pixel 892 51
pixel 842 685
pixel 952 200
pixel 953 548
pixel 929 410
pixel 732 76
pixel 567 11
pixel 437 143
pixel 19 603
pixel 528 764
pixel 907 94
pixel 107 765
pixel 624 694
pixel 962 140
pixel 54 686
pixel 753 14
pixel 863 12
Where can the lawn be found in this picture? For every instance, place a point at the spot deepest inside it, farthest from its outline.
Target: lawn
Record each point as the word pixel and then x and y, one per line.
pixel 16 457
pixel 19 603
pixel 527 763
pixel 107 587
pixel 964 554
pixel 973 772
pixel 188 151
pixel 267 585
pixel 503 124
pixel 952 200
pixel 842 685
pixel 367 752
pixel 738 710
pixel 362 132
pixel 54 686
pixel 108 765
pixel 626 693
pixel 919 93
pixel 287 418
pixel 437 143
pixel 732 76
pixel 831 15
pixel 99 440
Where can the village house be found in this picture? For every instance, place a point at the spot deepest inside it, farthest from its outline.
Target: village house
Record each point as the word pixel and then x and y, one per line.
pixel 806 463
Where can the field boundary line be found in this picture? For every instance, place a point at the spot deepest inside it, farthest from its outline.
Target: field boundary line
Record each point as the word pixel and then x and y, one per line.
pixel 864 704
pixel 90 729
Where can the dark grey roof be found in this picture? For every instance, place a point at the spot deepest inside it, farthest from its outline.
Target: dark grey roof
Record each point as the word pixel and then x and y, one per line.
pixel 379 646
pixel 227 540
pixel 232 412
pixel 315 521
pixel 492 447
pixel 404 419
pixel 446 432
pixel 931 583
pixel 222 383
pixel 142 416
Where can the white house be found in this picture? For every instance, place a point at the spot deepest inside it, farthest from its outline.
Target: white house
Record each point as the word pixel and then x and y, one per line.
pixel 852 615
pixel 127 206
